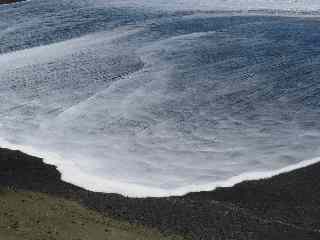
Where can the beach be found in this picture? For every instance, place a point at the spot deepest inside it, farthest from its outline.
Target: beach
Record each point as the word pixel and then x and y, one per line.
pixel 159 120
pixel 282 207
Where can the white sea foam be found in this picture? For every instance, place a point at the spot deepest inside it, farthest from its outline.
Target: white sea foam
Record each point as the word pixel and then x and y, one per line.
pixel 72 174
pixel 291 5
pixel 158 108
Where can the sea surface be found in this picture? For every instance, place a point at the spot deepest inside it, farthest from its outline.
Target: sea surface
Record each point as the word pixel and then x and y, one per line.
pixel 154 98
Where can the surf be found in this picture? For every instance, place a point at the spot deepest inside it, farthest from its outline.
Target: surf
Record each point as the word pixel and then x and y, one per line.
pixel 148 101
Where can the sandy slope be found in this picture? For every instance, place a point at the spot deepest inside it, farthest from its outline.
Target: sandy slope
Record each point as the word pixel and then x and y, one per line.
pixel 34 216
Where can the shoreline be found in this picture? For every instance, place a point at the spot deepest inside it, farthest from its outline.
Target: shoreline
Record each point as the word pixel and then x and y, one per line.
pixel 279 203
pixel 10 1
pixel 286 206
pixel 148 191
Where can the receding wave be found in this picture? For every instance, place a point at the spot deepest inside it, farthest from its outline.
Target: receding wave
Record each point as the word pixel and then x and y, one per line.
pixel 149 102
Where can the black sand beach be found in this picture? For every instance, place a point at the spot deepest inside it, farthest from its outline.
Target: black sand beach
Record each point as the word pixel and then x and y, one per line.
pixel 283 207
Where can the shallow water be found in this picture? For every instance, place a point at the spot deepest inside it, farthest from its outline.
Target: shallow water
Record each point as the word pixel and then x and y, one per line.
pixel 142 100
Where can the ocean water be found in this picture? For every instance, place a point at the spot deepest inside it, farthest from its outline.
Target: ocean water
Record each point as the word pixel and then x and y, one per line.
pixel 154 98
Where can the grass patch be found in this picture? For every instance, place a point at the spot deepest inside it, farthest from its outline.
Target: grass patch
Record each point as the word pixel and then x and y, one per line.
pixel 36 216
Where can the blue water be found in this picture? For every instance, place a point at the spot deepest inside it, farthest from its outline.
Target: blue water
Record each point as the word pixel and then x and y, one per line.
pixel 143 100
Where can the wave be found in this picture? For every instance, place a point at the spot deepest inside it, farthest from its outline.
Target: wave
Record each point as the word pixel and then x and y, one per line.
pixel 72 174
pixel 155 103
pixel 290 5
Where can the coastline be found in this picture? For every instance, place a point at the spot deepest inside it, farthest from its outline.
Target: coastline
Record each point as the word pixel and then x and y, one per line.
pixel 280 203
pixel 10 1
pixel 73 175
pixel 286 206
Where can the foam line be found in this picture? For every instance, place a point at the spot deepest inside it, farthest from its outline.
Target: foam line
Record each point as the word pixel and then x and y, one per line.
pixel 72 174
pixel 288 5
pixel 186 103
pixel 45 53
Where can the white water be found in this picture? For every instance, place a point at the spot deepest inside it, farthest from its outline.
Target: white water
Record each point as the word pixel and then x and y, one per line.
pixel 72 174
pixel 151 107
pixel 207 5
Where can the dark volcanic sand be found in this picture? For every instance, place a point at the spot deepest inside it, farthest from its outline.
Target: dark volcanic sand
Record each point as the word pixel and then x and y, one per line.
pixel 283 207
pixel 10 1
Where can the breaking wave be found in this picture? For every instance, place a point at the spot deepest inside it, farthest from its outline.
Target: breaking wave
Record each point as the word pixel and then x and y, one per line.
pixel 134 98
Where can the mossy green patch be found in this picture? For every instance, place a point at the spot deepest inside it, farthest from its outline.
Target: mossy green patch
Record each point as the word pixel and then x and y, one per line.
pixel 36 216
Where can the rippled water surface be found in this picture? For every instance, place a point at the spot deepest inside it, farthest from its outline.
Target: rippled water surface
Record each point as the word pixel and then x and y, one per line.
pixel 150 99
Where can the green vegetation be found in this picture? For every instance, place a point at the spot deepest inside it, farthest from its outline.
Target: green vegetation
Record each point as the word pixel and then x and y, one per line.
pixel 36 216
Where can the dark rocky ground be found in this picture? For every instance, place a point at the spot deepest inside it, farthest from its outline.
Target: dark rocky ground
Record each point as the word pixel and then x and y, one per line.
pixel 10 1
pixel 283 207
